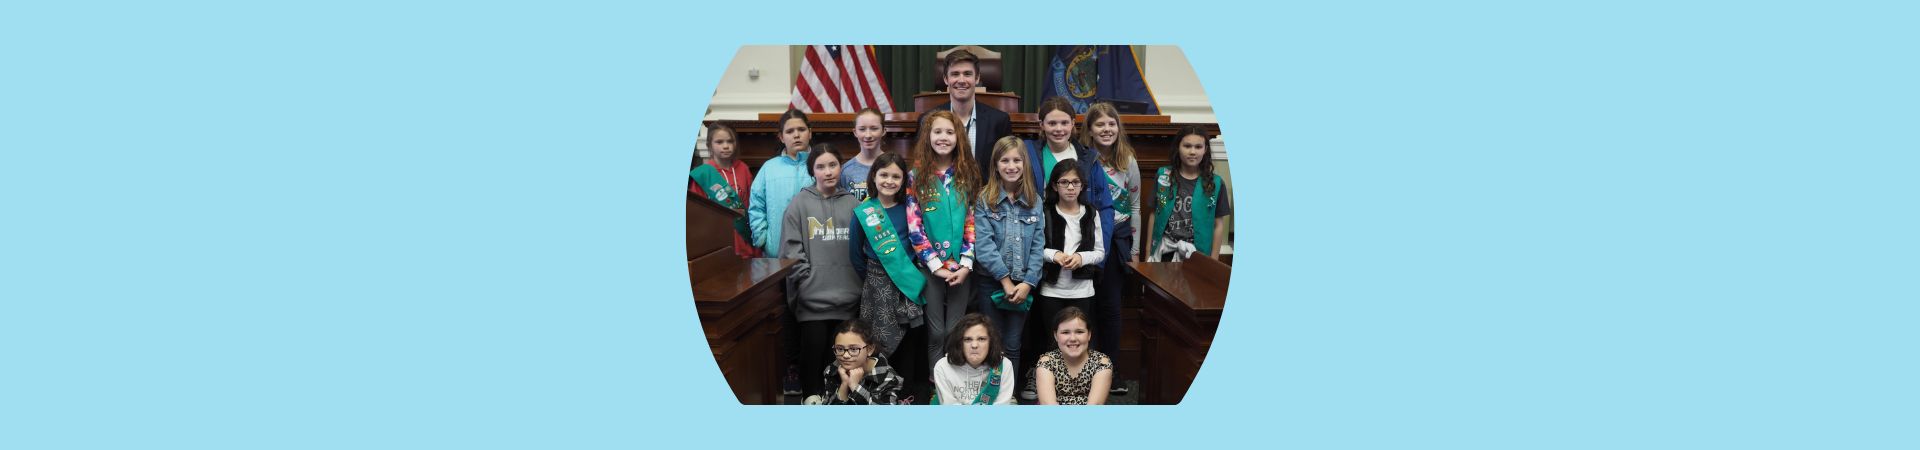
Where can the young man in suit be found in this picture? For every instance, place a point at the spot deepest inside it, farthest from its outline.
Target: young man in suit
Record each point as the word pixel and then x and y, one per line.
pixel 984 124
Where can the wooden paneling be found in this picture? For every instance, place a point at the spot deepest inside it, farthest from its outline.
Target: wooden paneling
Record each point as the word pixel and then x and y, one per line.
pixel 739 302
pixel 1181 312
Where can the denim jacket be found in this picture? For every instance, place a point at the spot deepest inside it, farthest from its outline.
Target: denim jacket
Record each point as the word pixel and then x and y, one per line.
pixel 1010 239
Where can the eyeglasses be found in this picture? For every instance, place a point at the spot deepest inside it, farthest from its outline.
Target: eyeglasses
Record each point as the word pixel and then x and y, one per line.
pixel 1068 183
pixel 848 351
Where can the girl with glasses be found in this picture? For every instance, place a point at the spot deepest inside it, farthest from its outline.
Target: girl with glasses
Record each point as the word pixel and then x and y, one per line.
pixel 857 377
pixel 1073 250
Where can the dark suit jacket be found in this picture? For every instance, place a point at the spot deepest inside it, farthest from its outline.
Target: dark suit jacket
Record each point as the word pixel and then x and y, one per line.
pixel 994 124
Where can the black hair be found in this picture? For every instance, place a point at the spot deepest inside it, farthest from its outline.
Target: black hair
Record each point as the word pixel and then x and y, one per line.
pixel 858 328
pixel 1061 169
pixel 1206 158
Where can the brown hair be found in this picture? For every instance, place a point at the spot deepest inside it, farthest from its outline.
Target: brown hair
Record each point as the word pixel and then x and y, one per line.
pixel 819 150
pixel 1121 155
pixel 793 114
pixel 1070 313
pixel 711 130
pixel 718 127
pixel 991 192
pixel 1058 103
pixel 922 157
pixel 956 341
pixel 885 160
pixel 956 57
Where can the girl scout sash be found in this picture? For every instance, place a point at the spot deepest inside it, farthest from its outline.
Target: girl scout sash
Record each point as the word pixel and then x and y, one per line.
pixel 892 253
pixel 989 391
pixel 944 216
pixel 1203 205
pixel 717 188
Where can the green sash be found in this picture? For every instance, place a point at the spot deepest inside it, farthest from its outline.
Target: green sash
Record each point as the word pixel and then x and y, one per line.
pixel 1202 210
pixel 989 391
pixel 716 188
pixel 892 252
pixel 1122 199
pixel 943 214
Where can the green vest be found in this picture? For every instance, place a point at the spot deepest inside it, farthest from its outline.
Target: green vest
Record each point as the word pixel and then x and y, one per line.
pixel 716 188
pixel 1203 205
pixel 943 216
pixel 892 252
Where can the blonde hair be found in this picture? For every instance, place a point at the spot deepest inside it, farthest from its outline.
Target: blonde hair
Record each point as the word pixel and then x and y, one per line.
pixel 991 192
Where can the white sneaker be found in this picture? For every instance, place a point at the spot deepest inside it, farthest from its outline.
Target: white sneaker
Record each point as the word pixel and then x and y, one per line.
pixel 814 400
pixel 1028 394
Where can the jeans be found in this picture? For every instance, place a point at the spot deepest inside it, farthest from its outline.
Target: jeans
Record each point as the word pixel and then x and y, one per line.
pixel 1010 323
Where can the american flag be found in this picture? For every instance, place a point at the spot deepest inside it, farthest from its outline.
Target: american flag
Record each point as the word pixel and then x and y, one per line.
pixel 840 78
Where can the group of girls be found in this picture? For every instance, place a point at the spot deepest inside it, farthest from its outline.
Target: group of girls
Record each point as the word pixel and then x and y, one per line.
pixel 891 249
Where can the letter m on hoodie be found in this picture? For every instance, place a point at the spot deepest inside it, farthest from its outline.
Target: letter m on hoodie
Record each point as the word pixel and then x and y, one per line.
pixel 824 232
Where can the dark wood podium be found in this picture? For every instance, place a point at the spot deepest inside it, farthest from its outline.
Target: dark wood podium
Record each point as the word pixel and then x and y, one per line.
pixel 1180 313
pixel 739 301
pixel 1006 102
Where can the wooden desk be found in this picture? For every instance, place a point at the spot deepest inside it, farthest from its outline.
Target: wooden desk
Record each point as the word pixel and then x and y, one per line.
pixel 740 314
pixel 739 302
pixel 1180 313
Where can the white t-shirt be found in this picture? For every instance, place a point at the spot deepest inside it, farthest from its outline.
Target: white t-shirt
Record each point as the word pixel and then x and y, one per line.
pixel 1067 286
pixel 958 385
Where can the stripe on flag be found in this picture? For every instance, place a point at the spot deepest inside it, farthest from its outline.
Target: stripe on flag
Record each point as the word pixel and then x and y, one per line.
pixel 840 78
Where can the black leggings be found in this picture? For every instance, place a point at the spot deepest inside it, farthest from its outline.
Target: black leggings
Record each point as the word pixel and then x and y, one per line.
pixel 816 351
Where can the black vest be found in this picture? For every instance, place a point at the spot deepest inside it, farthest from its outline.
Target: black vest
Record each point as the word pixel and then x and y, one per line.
pixel 1056 237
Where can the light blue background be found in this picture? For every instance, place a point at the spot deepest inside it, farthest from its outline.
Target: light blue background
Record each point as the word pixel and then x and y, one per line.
pixel 1496 225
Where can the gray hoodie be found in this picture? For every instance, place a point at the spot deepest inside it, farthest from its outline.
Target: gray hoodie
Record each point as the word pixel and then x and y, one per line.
pixel 814 230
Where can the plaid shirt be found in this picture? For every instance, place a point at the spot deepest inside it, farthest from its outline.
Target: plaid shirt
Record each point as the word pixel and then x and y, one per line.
pixel 881 386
